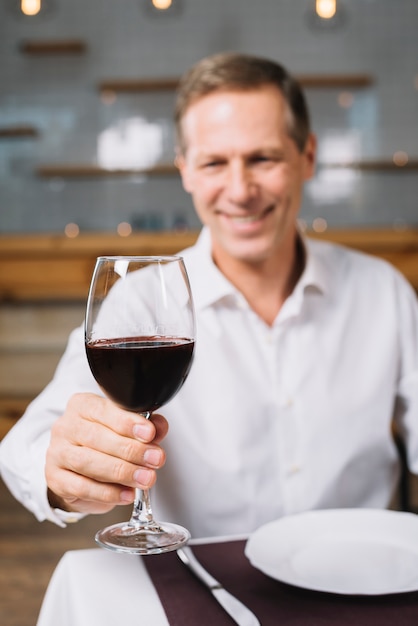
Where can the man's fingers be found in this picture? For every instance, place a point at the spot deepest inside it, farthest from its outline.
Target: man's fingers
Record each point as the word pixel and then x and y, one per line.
pixel 93 408
pixel 161 427
pixel 99 454
pixel 91 496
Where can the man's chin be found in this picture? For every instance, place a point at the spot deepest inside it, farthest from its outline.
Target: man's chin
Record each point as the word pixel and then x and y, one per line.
pixel 250 251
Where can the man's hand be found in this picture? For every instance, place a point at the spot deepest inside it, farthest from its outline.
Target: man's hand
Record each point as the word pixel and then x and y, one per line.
pixel 100 453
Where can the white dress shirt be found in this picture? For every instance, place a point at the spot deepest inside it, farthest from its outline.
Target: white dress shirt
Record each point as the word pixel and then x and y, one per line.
pixel 271 420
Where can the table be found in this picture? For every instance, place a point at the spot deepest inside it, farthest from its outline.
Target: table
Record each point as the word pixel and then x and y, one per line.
pixel 104 588
pixel 100 587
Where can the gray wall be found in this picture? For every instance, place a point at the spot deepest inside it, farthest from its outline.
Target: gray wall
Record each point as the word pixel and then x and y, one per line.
pixel 59 95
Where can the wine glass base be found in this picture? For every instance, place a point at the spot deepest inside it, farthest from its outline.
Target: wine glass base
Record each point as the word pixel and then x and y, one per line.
pixel 154 538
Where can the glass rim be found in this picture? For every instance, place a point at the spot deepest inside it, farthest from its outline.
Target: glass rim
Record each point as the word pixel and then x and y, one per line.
pixel 141 258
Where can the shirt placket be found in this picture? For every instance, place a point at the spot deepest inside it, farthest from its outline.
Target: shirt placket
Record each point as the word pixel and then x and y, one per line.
pixel 288 432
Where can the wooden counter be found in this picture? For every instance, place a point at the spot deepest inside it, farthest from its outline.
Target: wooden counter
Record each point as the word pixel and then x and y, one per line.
pixel 55 267
pixel 44 281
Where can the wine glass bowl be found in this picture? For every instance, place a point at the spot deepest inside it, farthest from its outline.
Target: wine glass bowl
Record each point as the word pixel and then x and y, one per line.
pixel 139 338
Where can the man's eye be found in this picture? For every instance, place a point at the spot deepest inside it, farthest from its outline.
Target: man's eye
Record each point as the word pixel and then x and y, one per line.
pixel 212 164
pixel 261 159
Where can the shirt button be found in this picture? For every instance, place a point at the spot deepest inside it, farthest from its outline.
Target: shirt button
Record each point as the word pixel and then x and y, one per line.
pixel 294 469
pixel 286 402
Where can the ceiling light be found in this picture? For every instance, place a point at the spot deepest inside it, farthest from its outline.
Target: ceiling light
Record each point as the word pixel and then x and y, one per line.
pixel 326 9
pixel 325 14
pixel 162 7
pixel 30 7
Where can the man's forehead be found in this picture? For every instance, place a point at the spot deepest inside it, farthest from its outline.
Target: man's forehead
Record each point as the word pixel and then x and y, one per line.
pixel 231 117
pixel 235 92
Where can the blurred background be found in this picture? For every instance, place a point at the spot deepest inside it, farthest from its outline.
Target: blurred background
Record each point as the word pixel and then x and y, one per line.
pixel 86 168
pixel 87 89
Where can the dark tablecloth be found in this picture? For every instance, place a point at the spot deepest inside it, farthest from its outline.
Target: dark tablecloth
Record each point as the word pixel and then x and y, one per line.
pixel 188 603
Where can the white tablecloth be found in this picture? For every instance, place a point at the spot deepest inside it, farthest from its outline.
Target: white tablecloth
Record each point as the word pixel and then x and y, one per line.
pixel 100 588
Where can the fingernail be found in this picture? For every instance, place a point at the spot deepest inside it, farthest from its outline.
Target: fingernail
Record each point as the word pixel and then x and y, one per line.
pixel 127 496
pixel 142 431
pixel 143 476
pixel 152 457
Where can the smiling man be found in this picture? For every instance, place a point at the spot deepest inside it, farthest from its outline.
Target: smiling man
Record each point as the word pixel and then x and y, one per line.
pixel 306 351
pixel 245 174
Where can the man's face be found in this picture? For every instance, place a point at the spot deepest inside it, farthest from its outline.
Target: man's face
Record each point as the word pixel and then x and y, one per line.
pixel 244 172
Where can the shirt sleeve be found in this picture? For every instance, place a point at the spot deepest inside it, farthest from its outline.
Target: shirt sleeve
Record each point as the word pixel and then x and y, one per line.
pixel 406 407
pixel 23 450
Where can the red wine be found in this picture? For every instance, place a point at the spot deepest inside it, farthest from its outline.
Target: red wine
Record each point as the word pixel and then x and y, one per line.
pixel 140 373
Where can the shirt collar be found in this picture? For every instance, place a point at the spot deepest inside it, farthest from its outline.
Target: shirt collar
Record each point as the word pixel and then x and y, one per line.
pixel 317 272
pixel 214 287
pixel 208 284
pixel 314 279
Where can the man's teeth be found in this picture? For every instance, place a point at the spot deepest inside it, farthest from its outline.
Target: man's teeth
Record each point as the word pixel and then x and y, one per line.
pixel 246 219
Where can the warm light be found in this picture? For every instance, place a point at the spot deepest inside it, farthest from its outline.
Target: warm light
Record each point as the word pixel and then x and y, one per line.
pixel 326 8
pixel 124 229
pixel 162 8
pixel 71 230
pixel 162 5
pixel 400 158
pixel 319 225
pixel 345 99
pixel 108 96
pixel 30 7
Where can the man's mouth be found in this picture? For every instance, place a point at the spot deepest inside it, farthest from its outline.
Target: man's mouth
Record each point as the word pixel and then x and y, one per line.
pixel 249 218
pixel 245 219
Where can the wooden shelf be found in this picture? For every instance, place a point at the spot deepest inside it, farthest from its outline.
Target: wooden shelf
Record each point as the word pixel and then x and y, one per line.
pixel 375 165
pixel 139 86
pixel 326 81
pixel 53 47
pixel 12 132
pixel 94 171
pixel 333 81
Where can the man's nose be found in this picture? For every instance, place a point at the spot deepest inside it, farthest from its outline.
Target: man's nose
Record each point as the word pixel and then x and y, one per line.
pixel 240 183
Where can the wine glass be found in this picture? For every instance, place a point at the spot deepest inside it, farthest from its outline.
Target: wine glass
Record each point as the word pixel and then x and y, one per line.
pixel 139 338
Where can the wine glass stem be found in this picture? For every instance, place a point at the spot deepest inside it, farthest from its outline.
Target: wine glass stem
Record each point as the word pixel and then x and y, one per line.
pixel 142 511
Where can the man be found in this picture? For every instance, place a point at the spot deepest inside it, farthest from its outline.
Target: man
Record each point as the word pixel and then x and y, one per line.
pixel 305 351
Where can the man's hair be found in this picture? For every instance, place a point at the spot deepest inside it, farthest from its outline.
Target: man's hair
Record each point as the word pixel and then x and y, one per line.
pixel 240 72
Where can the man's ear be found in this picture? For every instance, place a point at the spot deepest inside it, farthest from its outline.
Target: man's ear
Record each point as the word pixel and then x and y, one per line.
pixel 180 163
pixel 310 156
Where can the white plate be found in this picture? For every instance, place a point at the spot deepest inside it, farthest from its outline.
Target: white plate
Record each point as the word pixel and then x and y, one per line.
pixel 346 551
